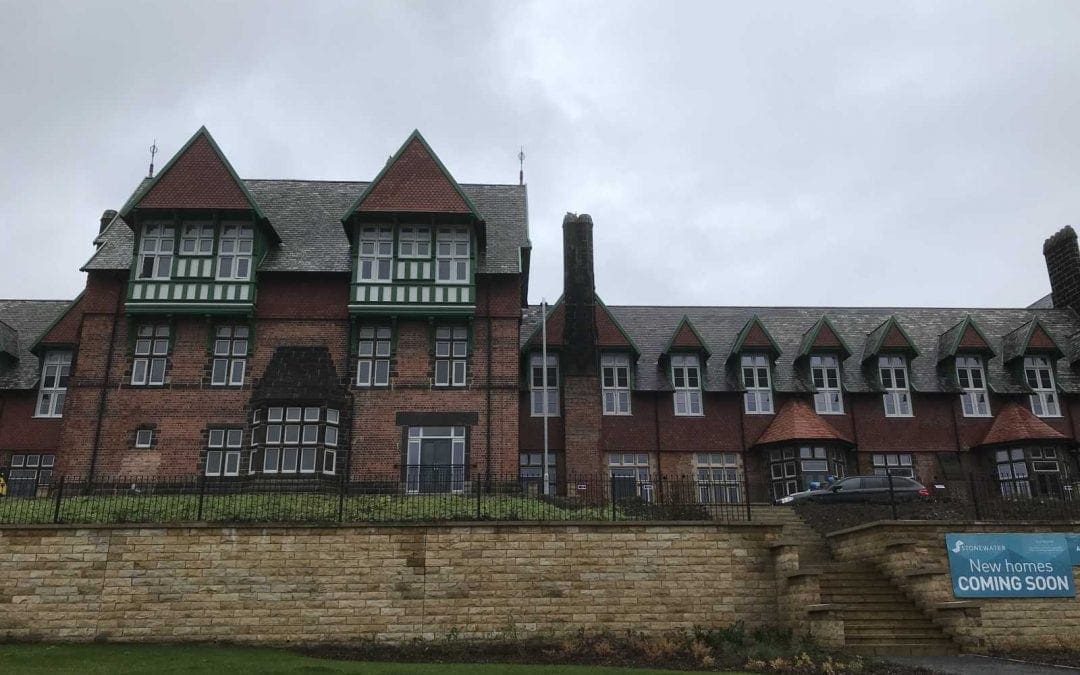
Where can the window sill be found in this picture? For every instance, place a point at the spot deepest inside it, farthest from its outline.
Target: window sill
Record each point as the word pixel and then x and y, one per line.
pixel 978 417
pixel 1049 417
pixel 618 414
pixel 543 416
pixel 759 412
pixel 900 417
pixel 833 414
pixel 701 414
pixel 48 417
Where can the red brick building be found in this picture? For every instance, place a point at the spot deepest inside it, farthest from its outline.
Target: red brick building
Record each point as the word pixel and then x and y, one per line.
pixel 380 331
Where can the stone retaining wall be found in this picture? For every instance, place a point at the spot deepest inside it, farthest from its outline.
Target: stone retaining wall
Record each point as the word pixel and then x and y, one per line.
pixel 913 555
pixel 275 584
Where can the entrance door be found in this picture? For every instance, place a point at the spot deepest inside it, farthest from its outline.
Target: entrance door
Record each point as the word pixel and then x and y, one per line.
pixel 436 465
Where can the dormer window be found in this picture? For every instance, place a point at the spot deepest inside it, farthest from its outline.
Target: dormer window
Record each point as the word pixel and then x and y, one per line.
pixel 825 371
pixel 894 379
pixel 1039 374
pixel 615 383
pixel 756 379
pixel 376 254
pixel 197 239
pixel 156 251
pixel 414 241
pixel 972 378
pixel 545 401
pixel 452 255
pixel 686 377
pixel 234 252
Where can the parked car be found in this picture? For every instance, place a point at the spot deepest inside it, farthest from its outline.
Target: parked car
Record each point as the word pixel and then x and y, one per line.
pixel 861 489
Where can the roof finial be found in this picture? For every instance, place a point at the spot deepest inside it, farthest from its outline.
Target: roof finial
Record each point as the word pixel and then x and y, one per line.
pixel 153 151
pixel 521 166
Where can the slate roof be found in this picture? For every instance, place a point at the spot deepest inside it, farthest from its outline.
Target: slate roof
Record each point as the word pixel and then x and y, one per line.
pixel 306 214
pixel 652 327
pixel 29 319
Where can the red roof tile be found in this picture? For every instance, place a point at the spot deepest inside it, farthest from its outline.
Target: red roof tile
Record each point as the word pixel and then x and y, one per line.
pixel 414 183
pixel 196 179
pixel 1016 423
pixel 686 338
pixel 797 421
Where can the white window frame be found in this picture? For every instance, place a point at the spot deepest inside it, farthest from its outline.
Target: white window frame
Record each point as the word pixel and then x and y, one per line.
pixel 537 394
pixel 230 356
pixel 414 241
pixel 413 467
pixel 52 389
pixel 451 356
pixel 1039 375
pixel 375 254
pixel 223 449
pixel 373 347
pixel 686 378
pixel 615 383
pixel 198 237
pixel 235 249
pixel 300 440
pixel 150 366
pixel 757 380
pixel 825 374
pixel 719 477
pixel 144 439
pixel 970 374
pixel 636 465
pixel 157 245
pixel 894 463
pixel 452 255
pixel 893 375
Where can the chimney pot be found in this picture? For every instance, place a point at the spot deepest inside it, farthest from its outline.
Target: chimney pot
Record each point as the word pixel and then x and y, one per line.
pixel 106 218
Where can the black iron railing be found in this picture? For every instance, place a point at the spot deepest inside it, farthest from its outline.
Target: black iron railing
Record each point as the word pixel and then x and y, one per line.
pixel 430 495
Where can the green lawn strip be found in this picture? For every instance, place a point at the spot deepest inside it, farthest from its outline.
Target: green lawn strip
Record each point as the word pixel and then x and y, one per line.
pixel 97 658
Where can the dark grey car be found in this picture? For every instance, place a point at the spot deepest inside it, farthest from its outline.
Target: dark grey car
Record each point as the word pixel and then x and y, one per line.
pixel 862 489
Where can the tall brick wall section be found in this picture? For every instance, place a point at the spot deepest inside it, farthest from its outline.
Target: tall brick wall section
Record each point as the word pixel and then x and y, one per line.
pixel 20 430
pixel 582 411
pixel 342 584
pixel 914 556
pixel 292 310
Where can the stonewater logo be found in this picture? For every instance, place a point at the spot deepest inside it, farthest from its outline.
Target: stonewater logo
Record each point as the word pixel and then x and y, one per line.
pixel 959 546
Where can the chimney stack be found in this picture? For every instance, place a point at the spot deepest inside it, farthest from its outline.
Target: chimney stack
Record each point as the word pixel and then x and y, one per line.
pixel 106 218
pixel 1063 264
pixel 580 353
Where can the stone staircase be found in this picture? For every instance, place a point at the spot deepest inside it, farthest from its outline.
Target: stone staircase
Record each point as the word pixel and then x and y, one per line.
pixel 878 619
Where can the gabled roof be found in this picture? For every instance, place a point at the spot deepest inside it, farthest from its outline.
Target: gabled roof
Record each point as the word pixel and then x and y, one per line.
pixel 686 337
pixel 414 180
pixel 198 176
pixel 9 341
pixel 306 215
pixel 1014 423
pixel 651 328
pixel 890 336
pixel 965 336
pixel 556 318
pixel 823 336
pixel 755 337
pixel 27 319
pixel 796 421
pixel 609 333
pixel 1031 337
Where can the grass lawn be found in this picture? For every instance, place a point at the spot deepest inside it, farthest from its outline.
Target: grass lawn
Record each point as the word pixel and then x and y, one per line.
pixel 157 659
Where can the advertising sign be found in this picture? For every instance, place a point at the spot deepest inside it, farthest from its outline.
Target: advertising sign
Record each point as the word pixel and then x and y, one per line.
pixel 1074 547
pixel 1010 565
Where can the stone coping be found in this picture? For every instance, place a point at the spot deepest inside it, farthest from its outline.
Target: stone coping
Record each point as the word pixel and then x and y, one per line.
pixel 955 523
pixel 431 524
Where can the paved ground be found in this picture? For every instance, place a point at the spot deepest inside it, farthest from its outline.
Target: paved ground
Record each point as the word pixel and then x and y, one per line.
pixel 979 665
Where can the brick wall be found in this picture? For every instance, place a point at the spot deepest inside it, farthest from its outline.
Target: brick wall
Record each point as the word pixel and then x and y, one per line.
pixel 278 584
pixel 913 555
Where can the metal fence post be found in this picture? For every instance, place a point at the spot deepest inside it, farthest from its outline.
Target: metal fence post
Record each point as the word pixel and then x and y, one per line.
pixel 202 494
pixel 974 495
pixel 892 494
pixel 476 480
pixel 746 495
pixel 59 496
pixel 613 499
pixel 341 499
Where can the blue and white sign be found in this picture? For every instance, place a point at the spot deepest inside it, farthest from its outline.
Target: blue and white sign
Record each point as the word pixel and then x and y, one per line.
pixel 1011 565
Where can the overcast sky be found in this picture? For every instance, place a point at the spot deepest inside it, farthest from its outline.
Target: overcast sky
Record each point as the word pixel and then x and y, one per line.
pixel 741 153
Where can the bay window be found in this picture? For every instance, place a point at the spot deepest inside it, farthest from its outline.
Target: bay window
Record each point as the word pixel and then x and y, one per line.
pixel 298 440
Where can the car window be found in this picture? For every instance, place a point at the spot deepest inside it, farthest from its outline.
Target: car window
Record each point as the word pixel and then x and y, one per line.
pixel 875 483
pixel 848 484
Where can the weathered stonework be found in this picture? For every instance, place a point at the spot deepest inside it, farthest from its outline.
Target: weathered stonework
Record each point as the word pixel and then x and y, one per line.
pixel 277 584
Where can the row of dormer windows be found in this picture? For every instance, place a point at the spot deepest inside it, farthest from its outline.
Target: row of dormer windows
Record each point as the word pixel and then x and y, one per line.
pixel 686 380
pixel 231 245
pixel 376 247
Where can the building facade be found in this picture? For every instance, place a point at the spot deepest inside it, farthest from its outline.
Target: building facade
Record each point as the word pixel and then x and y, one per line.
pixel 380 331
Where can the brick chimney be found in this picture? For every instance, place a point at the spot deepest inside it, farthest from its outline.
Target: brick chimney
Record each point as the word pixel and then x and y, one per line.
pixel 580 353
pixel 1063 264
pixel 106 218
